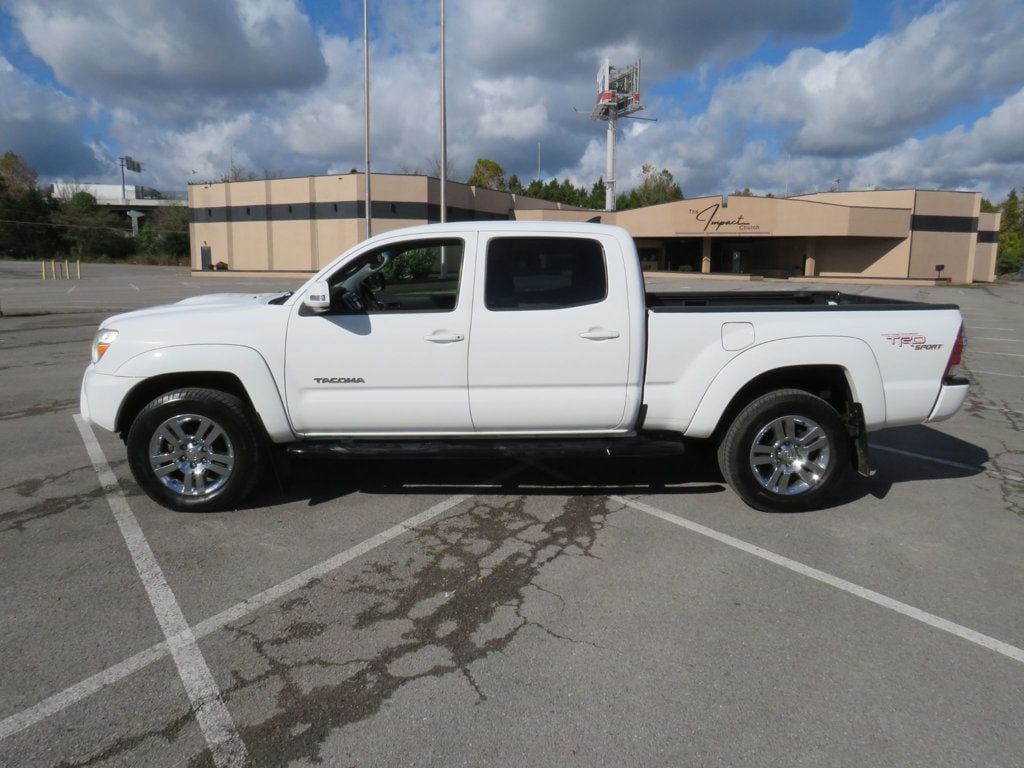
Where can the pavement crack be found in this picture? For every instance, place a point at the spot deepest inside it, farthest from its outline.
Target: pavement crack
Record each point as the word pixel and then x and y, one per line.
pixel 459 597
pixel 168 734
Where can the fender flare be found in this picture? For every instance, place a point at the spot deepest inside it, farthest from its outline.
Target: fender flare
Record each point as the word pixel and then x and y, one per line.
pixel 245 363
pixel 852 355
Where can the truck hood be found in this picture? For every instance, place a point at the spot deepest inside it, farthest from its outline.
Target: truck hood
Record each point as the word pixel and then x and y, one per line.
pixel 226 301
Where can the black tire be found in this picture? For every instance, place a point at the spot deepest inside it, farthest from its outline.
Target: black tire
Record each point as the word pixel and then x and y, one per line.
pixel 785 452
pixel 215 454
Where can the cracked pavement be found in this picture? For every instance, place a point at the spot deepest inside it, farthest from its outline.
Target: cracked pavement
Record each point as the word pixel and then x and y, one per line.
pixel 535 622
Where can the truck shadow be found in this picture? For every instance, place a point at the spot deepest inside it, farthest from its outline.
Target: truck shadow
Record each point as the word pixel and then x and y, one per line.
pixel 908 454
pixel 318 481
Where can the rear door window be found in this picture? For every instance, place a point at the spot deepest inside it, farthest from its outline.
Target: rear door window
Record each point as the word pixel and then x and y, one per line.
pixel 537 273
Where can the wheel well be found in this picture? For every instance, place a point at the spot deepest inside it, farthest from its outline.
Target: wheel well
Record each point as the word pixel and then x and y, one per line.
pixel 152 388
pixel 825 381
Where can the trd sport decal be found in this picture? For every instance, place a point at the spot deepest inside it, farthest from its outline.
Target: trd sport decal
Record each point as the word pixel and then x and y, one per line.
pixel 910 340
pixel 340 380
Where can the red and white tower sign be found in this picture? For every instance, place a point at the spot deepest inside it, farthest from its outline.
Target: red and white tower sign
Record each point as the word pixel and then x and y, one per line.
pixel 618 95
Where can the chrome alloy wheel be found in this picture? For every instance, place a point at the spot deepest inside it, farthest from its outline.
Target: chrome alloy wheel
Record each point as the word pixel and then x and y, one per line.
pixel 790 455
pixel 191 455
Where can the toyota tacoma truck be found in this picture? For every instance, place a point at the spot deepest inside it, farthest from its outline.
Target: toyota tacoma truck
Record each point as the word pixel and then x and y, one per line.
pixel 524 335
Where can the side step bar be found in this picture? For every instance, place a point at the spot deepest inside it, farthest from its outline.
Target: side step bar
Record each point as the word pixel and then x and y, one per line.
pixel 623 447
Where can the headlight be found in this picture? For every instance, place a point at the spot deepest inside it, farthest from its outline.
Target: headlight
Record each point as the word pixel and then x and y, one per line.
pixel 101 342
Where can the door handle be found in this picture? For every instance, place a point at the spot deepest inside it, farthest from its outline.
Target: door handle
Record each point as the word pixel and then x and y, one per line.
pixel 439 337
pixel 599 334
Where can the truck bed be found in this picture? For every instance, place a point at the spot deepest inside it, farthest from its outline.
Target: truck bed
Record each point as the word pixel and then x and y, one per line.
pixel 777 301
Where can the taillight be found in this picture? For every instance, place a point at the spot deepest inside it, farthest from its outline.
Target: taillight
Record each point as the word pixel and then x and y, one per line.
pixel 956 354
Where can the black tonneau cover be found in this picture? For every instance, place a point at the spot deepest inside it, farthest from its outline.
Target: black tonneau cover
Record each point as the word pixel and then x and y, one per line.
pixel 778 301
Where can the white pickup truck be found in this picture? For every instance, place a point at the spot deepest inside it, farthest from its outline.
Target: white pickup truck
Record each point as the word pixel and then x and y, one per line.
pixel 520 335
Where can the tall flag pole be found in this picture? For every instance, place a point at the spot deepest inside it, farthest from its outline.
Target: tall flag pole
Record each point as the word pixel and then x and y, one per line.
pixel 366 116
pixel 444 128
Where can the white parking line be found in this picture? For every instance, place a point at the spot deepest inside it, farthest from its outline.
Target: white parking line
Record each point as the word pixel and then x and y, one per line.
pixel 133 285
pixel 965 633
pixel 997 408
pixel 997 354
pixel 990 338
pixel 212 714
pixel 95 683
pixel 988 328
pixel 946 462
pixel 996 373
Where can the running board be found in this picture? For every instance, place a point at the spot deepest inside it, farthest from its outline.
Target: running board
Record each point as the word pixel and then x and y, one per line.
pixel 625 447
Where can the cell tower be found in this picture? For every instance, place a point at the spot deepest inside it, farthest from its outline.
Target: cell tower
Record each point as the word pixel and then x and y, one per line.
pixel 618 95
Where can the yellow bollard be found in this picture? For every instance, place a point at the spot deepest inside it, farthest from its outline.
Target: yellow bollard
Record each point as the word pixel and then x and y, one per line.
pixel 67 270
pixel 78 269
pixel 43 265
pixel 53 269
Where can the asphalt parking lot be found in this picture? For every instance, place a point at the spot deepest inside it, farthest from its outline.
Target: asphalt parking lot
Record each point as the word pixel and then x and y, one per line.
pixel 493 613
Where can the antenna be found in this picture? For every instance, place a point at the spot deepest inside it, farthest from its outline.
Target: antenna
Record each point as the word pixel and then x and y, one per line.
pixel 618 95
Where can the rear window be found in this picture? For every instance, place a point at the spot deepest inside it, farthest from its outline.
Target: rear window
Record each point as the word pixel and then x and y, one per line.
pixel 530 273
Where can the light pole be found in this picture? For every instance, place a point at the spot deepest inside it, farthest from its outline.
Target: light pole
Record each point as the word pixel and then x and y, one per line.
pixel 444 128
pixel 366 117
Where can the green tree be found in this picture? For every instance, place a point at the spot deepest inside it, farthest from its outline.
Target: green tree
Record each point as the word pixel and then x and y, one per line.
pixel 17 177
pixel 165 234
pixel 745 192
pixel 236 172
pixel 656 187
pixel 488 174
pixel 25 229
pixel 987 206
pixel 1010 256
pixel 1011 214
pixel 90 232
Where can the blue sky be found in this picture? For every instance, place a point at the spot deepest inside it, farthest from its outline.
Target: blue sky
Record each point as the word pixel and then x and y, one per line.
pixel 782 96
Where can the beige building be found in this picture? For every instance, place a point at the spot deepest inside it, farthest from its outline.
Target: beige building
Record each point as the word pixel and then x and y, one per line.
pixel 301 224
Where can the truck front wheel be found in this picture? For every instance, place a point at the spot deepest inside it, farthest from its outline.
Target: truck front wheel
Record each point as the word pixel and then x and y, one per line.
pixel 785 452
pixel 194 450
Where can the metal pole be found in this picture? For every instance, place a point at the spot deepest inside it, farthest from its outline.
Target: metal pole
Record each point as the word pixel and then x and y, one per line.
pixel 124 196
pixel 366 117
pixel 609 182
pixel 538 161
pixel 444 126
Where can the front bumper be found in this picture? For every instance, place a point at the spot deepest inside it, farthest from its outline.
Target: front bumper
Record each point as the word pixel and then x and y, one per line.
pixel 102 395
pixel 952 395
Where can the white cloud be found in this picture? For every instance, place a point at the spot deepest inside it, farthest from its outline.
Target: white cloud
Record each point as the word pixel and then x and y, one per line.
pixel 989 155
pixel 511 108
pixel 195 85
pixel 44 126
pixel 849 103
pixel 178 60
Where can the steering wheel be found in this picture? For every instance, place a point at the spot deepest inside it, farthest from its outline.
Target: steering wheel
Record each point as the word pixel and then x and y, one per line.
pixel 369 297
pixel 353 301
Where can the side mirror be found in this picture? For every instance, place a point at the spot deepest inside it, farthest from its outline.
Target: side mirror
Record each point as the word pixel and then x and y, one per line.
pixel 318 297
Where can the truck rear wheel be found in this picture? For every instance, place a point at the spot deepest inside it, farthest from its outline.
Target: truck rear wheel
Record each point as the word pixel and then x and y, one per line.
pixel 785 452
pixel 195 450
